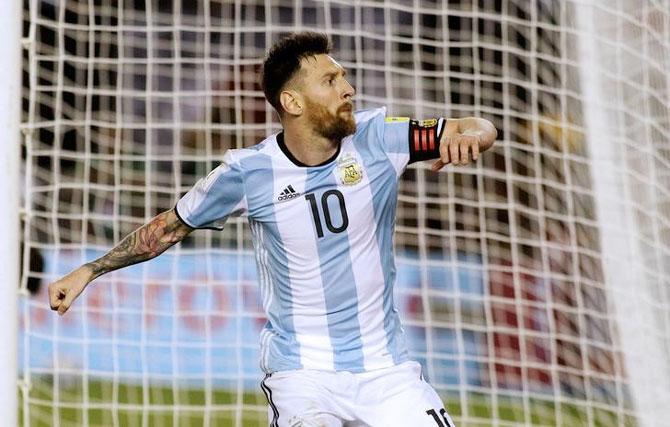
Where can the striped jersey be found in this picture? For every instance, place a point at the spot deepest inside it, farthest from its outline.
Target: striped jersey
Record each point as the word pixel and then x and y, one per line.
pixel 323 240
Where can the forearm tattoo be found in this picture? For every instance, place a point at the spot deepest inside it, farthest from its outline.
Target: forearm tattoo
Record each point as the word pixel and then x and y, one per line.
pixel 145 243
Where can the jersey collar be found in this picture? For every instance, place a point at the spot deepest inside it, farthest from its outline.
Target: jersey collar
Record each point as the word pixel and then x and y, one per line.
pixel 291 157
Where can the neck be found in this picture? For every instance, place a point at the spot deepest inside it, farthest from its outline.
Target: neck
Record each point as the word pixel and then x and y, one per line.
pixel 308 147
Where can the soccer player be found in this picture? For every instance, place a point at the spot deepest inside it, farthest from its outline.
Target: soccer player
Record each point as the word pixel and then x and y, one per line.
pixel 320 198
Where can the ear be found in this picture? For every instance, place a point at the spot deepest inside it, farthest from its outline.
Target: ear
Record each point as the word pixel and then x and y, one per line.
pixel 291 102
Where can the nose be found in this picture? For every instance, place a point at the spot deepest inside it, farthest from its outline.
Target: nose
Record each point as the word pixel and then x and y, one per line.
pixel 349 90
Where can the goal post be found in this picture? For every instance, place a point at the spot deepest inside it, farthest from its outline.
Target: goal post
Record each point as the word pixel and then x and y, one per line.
pixel 626 207
pixel 534 284
pixel 10 188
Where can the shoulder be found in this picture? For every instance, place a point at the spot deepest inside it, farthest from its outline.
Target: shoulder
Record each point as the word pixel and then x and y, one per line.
pixel 369 124
pixel 255 156
pixel 370 116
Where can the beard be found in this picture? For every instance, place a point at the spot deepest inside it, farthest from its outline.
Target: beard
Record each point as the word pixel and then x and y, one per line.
pixel 331 126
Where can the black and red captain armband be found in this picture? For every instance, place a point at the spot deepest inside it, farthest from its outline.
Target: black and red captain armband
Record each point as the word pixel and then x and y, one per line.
pixel 424 139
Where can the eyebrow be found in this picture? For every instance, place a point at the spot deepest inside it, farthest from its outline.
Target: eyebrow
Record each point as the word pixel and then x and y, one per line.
pixel 334 73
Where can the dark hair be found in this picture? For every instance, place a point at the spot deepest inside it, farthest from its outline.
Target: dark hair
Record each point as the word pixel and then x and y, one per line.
pixel 283 61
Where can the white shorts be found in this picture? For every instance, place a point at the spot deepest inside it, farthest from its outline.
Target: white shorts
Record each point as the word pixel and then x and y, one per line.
pixel 389 397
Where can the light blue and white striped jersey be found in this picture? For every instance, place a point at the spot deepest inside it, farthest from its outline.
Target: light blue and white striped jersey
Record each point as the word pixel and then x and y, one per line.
pixel 323 238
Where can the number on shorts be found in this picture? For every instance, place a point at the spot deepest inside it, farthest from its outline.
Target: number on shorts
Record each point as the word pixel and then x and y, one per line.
pixel 444 422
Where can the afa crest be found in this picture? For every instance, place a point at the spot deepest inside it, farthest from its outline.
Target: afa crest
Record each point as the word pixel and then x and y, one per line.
pixel 349 169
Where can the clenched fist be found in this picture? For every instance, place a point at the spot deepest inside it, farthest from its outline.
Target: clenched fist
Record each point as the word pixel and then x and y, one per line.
pixel 63 291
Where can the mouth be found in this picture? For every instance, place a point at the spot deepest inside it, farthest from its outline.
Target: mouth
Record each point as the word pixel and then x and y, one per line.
pixel 348 107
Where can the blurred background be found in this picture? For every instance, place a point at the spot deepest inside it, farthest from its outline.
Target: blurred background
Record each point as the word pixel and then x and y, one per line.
pixel 534 285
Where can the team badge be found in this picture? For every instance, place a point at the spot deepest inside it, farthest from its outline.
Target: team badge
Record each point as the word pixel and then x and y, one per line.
pixel 350 170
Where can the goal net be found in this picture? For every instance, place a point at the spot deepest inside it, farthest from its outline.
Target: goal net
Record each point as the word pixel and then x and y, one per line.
pixel 534 285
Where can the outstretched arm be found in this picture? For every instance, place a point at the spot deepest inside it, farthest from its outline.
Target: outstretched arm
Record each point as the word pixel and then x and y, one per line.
pixel 463 139
pixel 145 243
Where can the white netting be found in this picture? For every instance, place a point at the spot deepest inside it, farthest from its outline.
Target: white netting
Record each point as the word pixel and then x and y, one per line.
pixel 534 285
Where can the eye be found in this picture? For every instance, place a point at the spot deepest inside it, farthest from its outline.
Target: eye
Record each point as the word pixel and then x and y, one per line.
pixel 331 80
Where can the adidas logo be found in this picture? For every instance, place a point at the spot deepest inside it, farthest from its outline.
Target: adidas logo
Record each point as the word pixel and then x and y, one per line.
pixel 288 194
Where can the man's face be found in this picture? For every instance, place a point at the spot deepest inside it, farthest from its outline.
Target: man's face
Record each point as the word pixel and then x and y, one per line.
pixel 327 95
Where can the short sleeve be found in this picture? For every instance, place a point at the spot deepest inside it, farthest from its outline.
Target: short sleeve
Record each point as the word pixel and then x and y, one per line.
pixel 394 141
pixel 215 198
pixel 396 133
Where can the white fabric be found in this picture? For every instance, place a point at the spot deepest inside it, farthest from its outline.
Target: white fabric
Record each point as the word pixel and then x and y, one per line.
pixel 390 397
pixel 323 241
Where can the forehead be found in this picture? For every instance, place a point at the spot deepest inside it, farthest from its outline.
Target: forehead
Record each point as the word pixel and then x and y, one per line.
pixel 317 65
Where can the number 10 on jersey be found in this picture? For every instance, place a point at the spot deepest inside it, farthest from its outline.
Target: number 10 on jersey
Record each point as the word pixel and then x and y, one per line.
pixel 328 219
